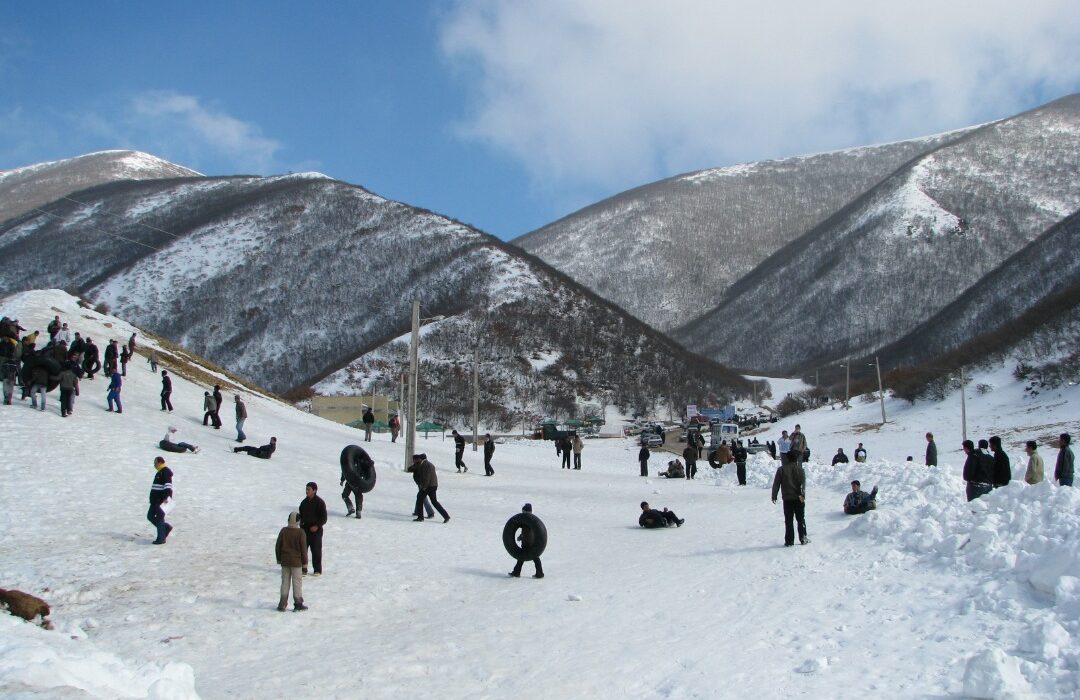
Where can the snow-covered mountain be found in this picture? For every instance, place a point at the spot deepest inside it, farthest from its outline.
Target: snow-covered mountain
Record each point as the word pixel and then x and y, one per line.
pixel 704 231
pixel 902 252
pixel 287 279
pixel 23 189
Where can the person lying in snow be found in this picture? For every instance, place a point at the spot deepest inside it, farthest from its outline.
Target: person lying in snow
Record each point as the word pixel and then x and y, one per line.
pixel 858 501
pixel 656 518
pixel 675 470
pixel 264 452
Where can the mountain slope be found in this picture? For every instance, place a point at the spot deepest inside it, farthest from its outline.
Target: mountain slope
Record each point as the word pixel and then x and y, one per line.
pixel 23 189
pixel 286 279
pixel 896 256
pixel 705 230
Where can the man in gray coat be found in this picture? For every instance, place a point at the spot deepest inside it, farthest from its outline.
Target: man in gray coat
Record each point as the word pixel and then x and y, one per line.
pixel 427 483
pixel 790 481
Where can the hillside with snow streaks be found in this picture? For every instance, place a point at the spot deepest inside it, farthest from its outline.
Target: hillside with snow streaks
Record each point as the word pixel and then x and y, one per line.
pixel 23 189
pixel 708 229
pixel 895 257
pixel 288 279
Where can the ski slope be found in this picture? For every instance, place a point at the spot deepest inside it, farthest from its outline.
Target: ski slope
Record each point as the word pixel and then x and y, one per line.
pixel 926 597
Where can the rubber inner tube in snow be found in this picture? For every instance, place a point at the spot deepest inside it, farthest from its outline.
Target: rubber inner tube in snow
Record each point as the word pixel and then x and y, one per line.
pixel 533 536
pixel 48 363
pixel 359 468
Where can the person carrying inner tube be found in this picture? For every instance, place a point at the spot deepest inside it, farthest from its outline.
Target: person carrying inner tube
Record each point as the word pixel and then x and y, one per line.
pixel 525 538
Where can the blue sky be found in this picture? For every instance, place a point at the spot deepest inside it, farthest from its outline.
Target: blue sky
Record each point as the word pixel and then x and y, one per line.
pixel 508 114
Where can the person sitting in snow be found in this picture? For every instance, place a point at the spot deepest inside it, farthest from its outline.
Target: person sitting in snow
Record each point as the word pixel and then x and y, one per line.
pixel 263 452
pixel 839 457
pixel 169 444
pixel 674 470
pixel 651 518
pixel 858 501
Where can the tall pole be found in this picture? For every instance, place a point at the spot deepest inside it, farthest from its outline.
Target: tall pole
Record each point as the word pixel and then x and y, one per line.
pixel 414 347
pixel 847 384
pixel 880 391
pixel 963 407
pixel 401 394
pixel 476 393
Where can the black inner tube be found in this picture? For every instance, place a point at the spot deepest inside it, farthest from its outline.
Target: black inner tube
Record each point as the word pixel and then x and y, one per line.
pixel 533 536
pixel 359 468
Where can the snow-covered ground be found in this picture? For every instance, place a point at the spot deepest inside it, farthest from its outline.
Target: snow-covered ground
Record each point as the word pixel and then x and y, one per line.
pixel 926 597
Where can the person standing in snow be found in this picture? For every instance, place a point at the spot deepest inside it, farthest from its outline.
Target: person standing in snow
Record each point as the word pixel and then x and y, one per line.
pixel 459 452
pixel 564 448
pixel 39 385
pixel 160 492
pixel 977 473
pixel 69 388
pixel 219 401
pixel 125 357
pixel 739 454
pixel 91 361
pixel 112 357
pixel 1034 473
pixel 152 361
pixel 799 448
pixel 860 453
pixel 790 482
pixel 525 537
pixel 369 423
pixel 113 394
pixel 395 427
pixel 577 446
pixel 209 406
pixel 241 416
pixel 1002 467
pixel 689 453
pixel 53 328
pixel 351 478
pixel 131 345
pixel 291 551
pixel 1065 467
pixel 489 450
pixel 76 347
pixel 64 336
pixel 783 446
pixel 312 518
pixel 166 391
pixel 931 450
pixel 427 481
pixel 643 459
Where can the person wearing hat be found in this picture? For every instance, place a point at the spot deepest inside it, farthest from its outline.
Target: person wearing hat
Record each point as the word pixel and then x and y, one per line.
pixel 427 483
pixel 858 501
pixel 525 538
pixel 160 492
pixel 169 444
pixel 1066 462
pixel 312 518
pixel 291 552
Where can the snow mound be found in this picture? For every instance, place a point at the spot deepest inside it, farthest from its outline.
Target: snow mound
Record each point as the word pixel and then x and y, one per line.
pixel 995 674
pixel 33 661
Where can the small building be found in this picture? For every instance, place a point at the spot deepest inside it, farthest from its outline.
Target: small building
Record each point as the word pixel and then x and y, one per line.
pixel 346 409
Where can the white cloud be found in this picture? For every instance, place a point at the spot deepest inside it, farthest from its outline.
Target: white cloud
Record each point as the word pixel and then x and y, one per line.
pixel 618 92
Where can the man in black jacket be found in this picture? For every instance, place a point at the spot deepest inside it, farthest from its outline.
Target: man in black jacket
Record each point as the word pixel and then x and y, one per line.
pixel 790 480
pixel 739 453
pixel 218 398
pixel 651 518
pixel 489 450
pixel 312 518
pixel 1002 468
pixel 643 459
pixel 564 447
pixel 459 452
pixel 931 450
pixel 350 479
pixel 978 472
pixel 690 454
pixel 160 492
pixel 839 457
pixel 166 391
pixel 369 423
pixel 263 452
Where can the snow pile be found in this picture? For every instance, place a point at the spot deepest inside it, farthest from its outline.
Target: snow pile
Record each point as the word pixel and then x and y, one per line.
pixel 33 660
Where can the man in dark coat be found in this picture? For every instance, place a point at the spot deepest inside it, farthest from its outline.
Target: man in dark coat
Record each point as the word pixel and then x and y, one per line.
pixel 790 481
pixel 931 450
pixel 839 457
pixel 459 452
pixel 351 476
pixel 690 454
pixel 262 452
pixel 643 459
pixel 651 518
pixel 312 518
pixel 978 474
pixel 166 391
pixel 218 398
pixel 489 450
pixel 1065 467
pixel 1002 467
pixel 160 492
pixel 525 538
pixel 565 448
pixel 91 360
pixel 739 453
pixel 427 482
pixel 112 357
pixel 368 420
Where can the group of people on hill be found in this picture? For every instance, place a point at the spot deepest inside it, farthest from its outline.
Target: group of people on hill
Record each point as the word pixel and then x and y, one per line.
pixel 60 364
pixel 987 466
pixel 567 445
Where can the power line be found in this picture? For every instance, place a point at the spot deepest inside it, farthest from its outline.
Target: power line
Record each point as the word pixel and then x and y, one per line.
pixel 117 216
pixel 101 230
